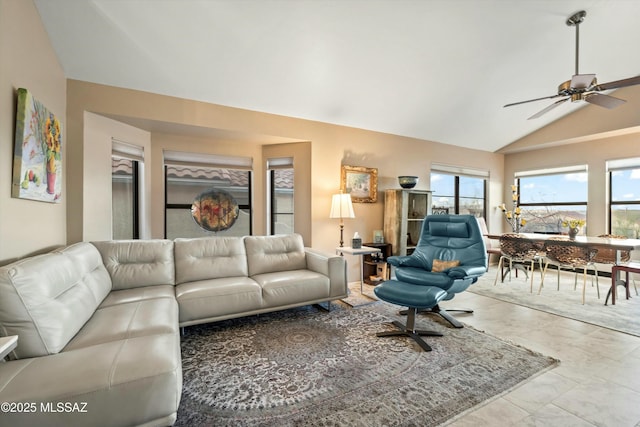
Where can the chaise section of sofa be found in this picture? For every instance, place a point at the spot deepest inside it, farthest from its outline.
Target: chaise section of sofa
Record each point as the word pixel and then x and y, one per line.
pixel 88 355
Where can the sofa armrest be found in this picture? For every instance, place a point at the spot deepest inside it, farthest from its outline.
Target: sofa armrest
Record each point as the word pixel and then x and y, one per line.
pixel 332 266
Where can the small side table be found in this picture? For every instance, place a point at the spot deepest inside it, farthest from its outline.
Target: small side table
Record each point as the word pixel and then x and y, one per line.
pixel 376 266
pixel 364 250
pixel 7 344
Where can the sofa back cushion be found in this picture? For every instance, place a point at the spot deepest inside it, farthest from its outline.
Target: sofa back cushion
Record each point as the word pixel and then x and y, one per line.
pixel 209 258
pixel 46 299
pixel 138 263
pixel 268 254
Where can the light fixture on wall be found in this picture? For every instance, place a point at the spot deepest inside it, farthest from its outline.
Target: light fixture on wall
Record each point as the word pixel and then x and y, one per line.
pixel 341 208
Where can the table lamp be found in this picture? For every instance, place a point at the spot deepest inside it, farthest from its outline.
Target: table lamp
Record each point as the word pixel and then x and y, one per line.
pixel 341 208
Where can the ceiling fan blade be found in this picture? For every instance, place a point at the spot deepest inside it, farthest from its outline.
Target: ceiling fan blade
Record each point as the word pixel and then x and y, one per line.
pixel 547 109
pixel 532 100
pixel 619 83
pixel 605 101
pixel 582 81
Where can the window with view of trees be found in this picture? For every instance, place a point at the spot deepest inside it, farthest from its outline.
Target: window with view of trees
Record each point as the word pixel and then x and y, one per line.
pixel 459 194
pixel 549 197
pixel 624 197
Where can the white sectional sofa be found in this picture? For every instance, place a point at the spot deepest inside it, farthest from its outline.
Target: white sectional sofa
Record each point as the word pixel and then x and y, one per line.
pixel 98 323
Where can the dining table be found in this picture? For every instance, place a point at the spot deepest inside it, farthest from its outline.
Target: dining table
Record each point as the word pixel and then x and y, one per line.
pixel 617 244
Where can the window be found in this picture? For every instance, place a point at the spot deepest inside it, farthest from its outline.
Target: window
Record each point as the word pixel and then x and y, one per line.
pixel 549 197
pixel 189 175
pixel 624 197
pixel 459 190
pixel 127 163
pixel 281 185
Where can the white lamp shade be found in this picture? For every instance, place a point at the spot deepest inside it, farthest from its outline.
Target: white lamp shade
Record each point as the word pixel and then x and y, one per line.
pixel 341 206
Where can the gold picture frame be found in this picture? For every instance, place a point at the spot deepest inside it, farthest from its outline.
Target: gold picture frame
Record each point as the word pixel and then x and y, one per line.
pixel 360 182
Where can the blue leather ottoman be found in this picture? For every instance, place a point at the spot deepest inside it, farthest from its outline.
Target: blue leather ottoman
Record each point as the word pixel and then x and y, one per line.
pixel 414 297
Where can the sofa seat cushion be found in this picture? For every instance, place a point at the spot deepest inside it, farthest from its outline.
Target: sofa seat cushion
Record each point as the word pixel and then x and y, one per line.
pixel 291 287
pixel 139 294
pixel 207 299
pixel 128 382
pixel 129 320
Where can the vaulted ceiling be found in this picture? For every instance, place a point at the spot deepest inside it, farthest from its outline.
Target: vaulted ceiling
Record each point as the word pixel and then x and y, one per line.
pixel 438 70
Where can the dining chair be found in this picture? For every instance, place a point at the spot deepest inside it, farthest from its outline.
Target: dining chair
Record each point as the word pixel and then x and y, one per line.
pixel 524 252
pixel 610 256
pixel 493 246
pixel 563 254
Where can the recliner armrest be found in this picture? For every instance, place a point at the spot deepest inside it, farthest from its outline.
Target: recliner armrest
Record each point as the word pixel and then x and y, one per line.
pixel 466 271
pixel 403 260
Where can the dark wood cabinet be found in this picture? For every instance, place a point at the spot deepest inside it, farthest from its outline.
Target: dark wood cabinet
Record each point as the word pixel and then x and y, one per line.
pixel 375 265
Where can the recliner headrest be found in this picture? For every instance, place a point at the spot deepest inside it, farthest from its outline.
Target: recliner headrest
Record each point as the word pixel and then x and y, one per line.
pixel 449 229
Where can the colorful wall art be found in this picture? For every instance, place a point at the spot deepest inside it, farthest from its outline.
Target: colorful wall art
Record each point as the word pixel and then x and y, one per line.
pixel 37 159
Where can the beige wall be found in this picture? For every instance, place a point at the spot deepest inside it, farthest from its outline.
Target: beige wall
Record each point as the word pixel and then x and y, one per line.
pixel 331 146
pixel 27 60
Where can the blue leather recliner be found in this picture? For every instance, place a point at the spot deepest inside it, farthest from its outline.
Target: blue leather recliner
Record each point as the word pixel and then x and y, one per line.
pixel 450 256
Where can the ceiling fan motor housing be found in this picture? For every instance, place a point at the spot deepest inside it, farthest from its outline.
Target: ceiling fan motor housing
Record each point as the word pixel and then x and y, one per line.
pixel 576 93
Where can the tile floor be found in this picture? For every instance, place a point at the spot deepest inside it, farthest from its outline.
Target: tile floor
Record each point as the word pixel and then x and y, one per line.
pixel 597 382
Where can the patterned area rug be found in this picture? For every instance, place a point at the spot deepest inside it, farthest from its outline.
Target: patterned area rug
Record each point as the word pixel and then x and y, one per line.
pixel 566 302
pixel 307 367
pixel 357 299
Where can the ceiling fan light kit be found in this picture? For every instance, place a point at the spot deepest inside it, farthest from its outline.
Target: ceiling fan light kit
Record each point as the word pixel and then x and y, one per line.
pixel 582 87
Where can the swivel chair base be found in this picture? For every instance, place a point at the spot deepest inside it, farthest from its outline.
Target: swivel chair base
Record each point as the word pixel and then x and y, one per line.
pixel 443 313
pixel 409 330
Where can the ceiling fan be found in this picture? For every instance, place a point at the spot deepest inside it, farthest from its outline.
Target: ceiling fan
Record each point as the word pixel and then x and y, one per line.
pixel 583 87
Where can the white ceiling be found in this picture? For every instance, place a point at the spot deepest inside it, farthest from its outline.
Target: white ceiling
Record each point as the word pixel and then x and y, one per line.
pixel 438 70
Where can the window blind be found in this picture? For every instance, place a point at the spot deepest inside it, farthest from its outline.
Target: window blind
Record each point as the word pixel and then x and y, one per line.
pixel 459 170
pixel 180 158
pixel 127 150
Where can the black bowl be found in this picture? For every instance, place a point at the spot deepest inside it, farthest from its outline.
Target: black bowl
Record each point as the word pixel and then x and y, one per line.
pixel 407 181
